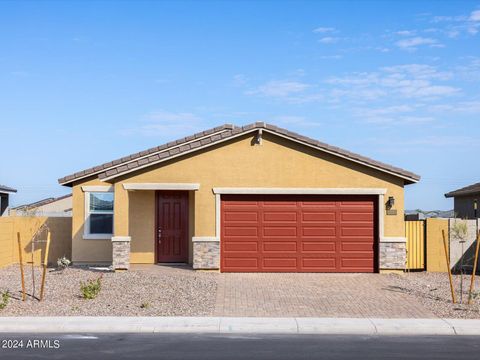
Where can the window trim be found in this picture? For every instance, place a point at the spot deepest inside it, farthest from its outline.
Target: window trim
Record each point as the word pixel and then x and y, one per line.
pixel 86 227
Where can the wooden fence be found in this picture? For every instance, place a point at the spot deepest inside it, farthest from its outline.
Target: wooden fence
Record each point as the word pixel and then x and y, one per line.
pixel 61 238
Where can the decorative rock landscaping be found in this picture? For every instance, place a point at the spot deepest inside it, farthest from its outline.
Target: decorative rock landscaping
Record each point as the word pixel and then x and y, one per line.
pixel 170 292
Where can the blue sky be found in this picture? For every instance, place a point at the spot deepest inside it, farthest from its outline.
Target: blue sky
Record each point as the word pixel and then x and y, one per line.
pixel 82 83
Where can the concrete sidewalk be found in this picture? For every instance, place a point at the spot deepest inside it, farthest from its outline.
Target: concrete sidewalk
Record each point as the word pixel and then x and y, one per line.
pixel 225 325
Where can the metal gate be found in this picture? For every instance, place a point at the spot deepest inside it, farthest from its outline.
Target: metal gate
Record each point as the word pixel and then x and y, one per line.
pixel 415 234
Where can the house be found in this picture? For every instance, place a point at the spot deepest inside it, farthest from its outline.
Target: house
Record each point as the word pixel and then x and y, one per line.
pixel 53 207
pixel 5 192
pixel 256 198
pixel 466 201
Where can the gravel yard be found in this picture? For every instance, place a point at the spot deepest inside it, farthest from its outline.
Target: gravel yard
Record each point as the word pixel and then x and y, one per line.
pixel 433 291
pixel 170 292
pixel 149 290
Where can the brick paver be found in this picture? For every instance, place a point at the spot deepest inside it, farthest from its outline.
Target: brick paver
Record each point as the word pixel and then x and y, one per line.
pixel 317 295
pixel 303 295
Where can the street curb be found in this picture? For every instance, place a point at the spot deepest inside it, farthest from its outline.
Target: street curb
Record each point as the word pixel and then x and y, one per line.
pixel 239 325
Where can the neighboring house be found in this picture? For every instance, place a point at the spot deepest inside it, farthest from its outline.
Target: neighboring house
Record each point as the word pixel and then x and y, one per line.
pixel 412 215
pixel 5 192
pixel 466 201
pixel 54 207
pixel 256 198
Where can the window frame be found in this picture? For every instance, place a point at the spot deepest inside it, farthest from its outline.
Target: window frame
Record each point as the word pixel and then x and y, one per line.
pixel 86 228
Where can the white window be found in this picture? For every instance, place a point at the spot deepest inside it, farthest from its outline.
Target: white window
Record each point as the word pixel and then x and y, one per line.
pixel 98 215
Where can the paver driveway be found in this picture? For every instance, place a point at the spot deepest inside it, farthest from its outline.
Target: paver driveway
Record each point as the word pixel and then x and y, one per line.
pixel 317 295
pixel 302 295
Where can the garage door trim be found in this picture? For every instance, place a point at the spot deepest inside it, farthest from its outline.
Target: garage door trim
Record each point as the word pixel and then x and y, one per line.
pixel 299 191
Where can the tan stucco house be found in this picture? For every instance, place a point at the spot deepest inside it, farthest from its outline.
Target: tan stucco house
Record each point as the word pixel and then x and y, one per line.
pixel 5 192
pixel 256 198
pixel 53 206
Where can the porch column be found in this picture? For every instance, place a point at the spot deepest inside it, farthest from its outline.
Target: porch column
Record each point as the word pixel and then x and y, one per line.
pixel 121 239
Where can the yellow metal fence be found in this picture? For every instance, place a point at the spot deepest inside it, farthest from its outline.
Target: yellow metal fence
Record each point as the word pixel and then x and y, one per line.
pixel 415 234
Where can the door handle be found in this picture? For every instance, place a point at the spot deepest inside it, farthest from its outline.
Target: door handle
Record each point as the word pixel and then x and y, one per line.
pixel 159 234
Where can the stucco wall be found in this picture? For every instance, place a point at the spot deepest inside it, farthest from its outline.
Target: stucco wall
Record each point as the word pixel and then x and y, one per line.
pixel 276 163
pixel 60 245
pixel 435 250
pixel 142 226
pixel 91 251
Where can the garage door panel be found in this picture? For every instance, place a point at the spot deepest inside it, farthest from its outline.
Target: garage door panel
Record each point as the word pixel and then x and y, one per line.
pixel 279 216
pixel 272 205
pixel 243 216
pixel 319 246
pixel 271 233
pixel 317 204
pixel 319 263
pixel 326 216
pixel 281 263
pixel 241 263
pixel 280 246
pixel 239 206
pixel 318 231
pixel 282 231
pixel 241 246
pixel 357 216
pixel 356 263
pixel 357 232
pixel 241 231
pixel 356 246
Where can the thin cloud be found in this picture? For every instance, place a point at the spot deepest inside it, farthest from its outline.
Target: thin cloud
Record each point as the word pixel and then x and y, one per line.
pixel 406 32
pixel 294 120
pixel 408 81
pixel 279 88
pixel 328 40
pixel 413 43
pixel 164 123
pixel 323 30
pixel 475 15
pixel 456 25
pixel 331 57
pixel 239 80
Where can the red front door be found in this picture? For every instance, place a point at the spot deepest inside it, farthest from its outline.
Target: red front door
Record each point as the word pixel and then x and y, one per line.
pixel 172 226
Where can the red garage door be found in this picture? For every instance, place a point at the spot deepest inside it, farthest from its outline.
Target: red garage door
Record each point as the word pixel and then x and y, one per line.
pixel 292 233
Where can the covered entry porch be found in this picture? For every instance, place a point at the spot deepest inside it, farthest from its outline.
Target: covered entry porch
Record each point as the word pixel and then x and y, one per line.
pixel 153 223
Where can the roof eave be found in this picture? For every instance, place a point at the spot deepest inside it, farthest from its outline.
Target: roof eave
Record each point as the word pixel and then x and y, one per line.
pixel 463 193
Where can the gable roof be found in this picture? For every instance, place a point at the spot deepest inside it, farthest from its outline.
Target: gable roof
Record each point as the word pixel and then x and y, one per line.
pixel 215 136
pixel 467 190
pixel 7 189
pixel 41 202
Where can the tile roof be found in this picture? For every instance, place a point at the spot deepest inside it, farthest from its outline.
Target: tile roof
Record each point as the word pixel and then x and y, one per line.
pixel 4 188
pixel 467 190
pixel 41 202
pixel 217 135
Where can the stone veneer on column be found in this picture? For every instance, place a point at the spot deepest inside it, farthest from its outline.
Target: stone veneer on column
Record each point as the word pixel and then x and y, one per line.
pixel 206 254
pixel 393 255
pixel 121 252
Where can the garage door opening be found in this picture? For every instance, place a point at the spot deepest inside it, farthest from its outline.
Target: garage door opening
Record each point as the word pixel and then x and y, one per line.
pixel 299 233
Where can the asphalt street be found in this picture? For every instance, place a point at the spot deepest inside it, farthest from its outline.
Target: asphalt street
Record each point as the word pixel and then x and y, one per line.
pixel 203 346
